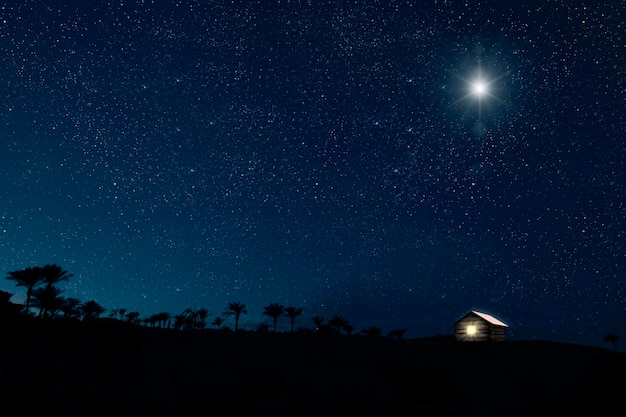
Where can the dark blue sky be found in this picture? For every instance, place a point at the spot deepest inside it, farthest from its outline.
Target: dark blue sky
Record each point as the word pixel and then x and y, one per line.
pixel 326 156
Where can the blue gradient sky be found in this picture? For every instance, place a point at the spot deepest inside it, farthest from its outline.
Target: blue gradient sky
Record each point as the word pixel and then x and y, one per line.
pixel 326 156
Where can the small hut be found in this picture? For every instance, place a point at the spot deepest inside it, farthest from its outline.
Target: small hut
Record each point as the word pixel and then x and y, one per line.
pixel 479 327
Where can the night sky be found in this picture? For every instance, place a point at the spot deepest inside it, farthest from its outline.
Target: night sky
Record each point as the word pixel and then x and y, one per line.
pixel 325 155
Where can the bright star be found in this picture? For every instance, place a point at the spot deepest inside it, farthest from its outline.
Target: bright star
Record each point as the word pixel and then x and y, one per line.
pixel 479 88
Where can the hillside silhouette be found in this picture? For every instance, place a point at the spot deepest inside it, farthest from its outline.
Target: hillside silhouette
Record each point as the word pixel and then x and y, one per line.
pixel 111 367
pixel 59 357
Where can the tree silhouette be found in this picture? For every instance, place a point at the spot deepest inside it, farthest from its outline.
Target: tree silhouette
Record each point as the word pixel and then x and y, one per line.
pixel 318 320
pixel 151 320
pixel 217 322
pixel 132 317
pixel 613 339
pixel 48 299
pixel 70 308
pixel 235 309
pixel 292 313
pixel 202 313
pixel 263 328
pixel 52 274
pixel 91 310
pixel 274 310
pixel 338 323
pixel 190 319
pixel 158 319
pixel 179 321
pixel 28 277
pixel 163 319
pixel 372 331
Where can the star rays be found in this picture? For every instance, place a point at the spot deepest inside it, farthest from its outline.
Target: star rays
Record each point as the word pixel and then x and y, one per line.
pixel 479 89
pixel 479 95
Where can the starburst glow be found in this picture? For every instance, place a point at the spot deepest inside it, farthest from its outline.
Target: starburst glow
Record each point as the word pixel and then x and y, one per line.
pixel 479 91
pixel 479 88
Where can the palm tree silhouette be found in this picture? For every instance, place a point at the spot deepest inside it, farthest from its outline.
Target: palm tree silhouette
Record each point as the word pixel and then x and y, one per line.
pixel 157 319
pixel 292 313
pixel 91 310
pixel 70 308
pixel 202 313
pixel 152 320
pixel 338 323
pixel 274 310
pixel 318 320
pixel 217 322
pixel 164 319
pixel 372 331
pixel 190 319
pixel 28 277
pixel 179 321
pixel 235 309
pixel 48 299
pixel 53 274
pixel 132 317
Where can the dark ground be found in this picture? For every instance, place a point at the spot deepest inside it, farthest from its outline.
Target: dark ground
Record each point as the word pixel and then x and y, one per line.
pixel 111 368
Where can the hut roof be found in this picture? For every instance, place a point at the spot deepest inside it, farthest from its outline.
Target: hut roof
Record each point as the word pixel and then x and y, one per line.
pixel 488 317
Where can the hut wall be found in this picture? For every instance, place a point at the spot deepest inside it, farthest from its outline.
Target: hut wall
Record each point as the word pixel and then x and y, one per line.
pixel 484 331
pixel 497 333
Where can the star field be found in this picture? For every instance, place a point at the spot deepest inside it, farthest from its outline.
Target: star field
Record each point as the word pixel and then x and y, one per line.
pixel 327 156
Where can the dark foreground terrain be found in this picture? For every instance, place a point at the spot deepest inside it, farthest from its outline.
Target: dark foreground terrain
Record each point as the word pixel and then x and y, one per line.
pixel 111 368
